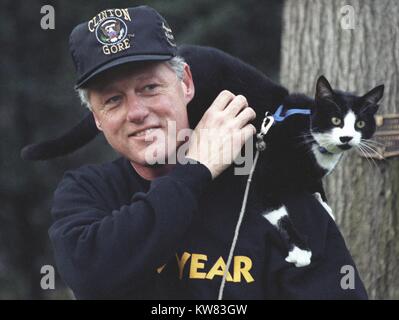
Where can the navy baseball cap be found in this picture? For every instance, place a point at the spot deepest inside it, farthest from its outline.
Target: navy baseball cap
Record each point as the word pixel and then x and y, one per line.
pixel 117 36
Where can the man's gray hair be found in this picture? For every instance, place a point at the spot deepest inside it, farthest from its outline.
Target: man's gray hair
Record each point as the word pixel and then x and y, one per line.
pixel 176 63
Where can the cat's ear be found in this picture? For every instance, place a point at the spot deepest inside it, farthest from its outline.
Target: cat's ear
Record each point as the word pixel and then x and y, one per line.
pixel 323 89
pixel 374 95
pixel 372 98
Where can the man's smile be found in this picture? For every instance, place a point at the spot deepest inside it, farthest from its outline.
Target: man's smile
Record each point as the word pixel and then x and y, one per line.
pixel 142 133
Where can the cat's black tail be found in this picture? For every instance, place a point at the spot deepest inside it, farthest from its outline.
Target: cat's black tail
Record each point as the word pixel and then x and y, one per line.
pixel 213 71
pixel 72 140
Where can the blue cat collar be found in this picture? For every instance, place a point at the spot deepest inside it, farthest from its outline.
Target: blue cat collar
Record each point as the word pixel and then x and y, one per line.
pixel 279 117
pixel 323 150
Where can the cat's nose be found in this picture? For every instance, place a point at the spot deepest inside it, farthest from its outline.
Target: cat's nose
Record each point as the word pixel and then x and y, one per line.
pixel 345 139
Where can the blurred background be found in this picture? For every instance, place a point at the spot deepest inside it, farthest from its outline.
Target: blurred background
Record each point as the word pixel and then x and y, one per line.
pixel 300 38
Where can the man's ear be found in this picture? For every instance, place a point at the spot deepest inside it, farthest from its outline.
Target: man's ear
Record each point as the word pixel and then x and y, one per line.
pixel 98 122
pixel 323 89
pixel 188 83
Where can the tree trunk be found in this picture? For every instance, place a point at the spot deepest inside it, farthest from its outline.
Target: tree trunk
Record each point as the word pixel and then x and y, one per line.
pixel 363 194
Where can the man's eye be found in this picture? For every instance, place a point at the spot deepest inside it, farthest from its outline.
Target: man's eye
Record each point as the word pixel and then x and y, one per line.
pixel 150 87
pixel 113 101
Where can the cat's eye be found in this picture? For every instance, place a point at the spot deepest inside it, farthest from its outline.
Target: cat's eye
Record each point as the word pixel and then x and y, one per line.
pixel 336 121
pixel 360 124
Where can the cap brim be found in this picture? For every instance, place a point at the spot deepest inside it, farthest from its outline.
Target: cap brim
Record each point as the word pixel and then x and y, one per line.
pixel 122 60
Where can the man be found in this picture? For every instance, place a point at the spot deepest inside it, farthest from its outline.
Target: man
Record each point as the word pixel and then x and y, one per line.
pixel 145 227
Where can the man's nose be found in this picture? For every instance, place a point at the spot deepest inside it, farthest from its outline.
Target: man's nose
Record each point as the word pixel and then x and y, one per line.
pixel 137 111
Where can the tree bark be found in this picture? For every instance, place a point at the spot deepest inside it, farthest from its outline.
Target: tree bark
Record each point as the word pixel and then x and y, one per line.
pixel 363 194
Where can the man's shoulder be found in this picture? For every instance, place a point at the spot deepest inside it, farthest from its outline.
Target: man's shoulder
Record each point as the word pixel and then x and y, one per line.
pixel 109 184
pixel 113 174
pixel 102 170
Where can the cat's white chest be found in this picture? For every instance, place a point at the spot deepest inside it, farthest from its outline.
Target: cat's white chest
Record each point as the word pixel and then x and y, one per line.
pixel 326 161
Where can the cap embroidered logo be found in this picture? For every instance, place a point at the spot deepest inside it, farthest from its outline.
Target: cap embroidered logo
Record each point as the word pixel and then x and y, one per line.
pixel 111 31
pixel 112 34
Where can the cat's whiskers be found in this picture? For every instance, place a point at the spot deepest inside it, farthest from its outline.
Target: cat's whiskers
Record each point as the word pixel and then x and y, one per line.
pixel 373 142
pixel 322 141
pixel 368 156
pixel 367 147
pixel 306 142
pixel 306 139
pixel 327 144
pixel 306 136
pixel 365 154
pixel 371 148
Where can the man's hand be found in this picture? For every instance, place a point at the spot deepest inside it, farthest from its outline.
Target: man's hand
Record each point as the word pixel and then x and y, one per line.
pixel 223 130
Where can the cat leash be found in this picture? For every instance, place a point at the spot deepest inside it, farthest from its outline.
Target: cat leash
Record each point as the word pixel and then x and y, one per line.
pixel 260 147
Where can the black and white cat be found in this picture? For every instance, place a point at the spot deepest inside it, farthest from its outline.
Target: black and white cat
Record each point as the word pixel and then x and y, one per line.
pixel 305 145
pixel 301 150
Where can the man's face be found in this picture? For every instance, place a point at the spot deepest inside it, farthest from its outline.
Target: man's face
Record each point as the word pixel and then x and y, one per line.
pixel 135 103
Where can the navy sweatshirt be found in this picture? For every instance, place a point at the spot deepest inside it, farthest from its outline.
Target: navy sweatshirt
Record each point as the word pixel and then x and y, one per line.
pixel 118 236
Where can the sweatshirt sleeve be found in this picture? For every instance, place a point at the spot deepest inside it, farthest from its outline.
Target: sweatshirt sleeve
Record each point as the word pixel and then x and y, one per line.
pixel 99 250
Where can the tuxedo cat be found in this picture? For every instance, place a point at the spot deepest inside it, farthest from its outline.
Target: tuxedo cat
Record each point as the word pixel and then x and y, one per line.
pixel 301 149
pixel 305 144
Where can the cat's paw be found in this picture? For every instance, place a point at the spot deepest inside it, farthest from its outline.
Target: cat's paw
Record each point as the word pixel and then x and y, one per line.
pixel 317 195
pixel 300 257
pixel 324 204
